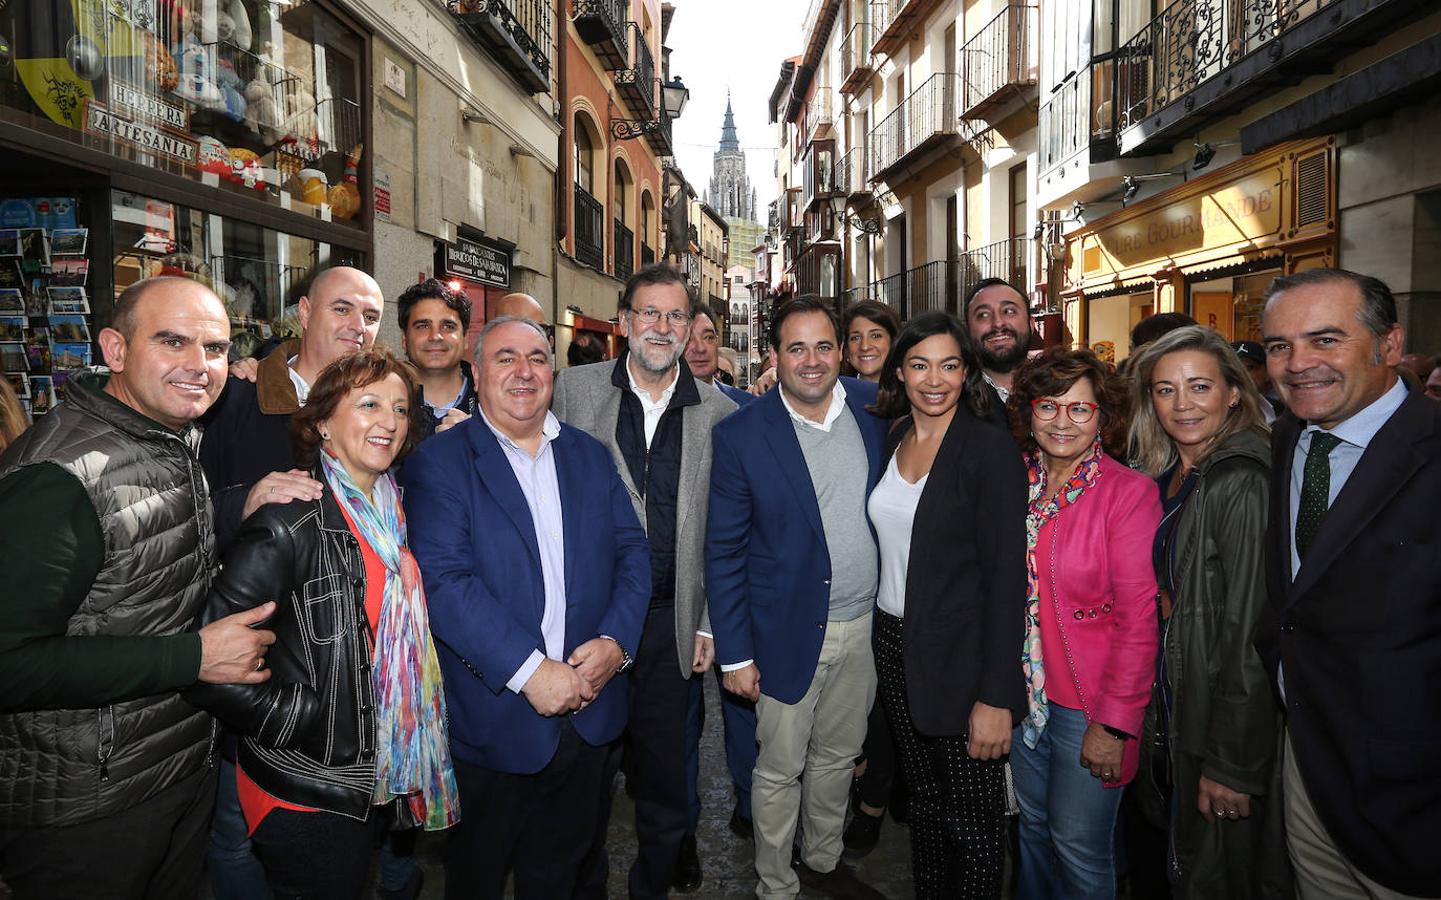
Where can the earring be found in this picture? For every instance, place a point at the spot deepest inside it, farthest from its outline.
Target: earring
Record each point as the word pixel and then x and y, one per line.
pixel 324 436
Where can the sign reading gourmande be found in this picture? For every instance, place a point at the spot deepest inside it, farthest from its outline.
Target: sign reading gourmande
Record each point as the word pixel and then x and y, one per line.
pixel 482 261
pixel 100 120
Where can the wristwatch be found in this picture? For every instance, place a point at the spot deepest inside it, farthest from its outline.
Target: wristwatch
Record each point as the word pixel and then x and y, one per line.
pixel 626 660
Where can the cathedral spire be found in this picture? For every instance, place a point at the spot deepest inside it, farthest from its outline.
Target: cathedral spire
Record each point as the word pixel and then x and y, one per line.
pixel 729 141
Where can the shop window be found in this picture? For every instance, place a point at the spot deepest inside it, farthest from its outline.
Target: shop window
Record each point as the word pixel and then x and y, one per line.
pixel 1232 305
pixel 259 273
pixel 261 97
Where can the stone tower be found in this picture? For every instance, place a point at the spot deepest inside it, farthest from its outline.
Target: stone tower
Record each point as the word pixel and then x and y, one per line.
pixel 730 192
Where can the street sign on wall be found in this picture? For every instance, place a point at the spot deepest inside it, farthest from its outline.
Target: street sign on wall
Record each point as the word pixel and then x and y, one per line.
pixel 484 261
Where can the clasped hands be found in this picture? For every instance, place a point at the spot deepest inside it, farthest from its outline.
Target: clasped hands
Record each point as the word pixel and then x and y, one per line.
pixel 556 688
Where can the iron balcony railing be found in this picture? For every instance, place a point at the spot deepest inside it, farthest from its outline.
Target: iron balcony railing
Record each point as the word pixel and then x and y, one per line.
pixel 601 23
pixel 851 173
pixel 1077 116
pixel 1192 41
pixel 637 82
pixel 855 295
pixel 517 33
pixel 1009 259
pixel 1001 55
pixel 624 249
pixel 818 111
pixel 856 57
pixel 589 229
pixel 924 118
pixel 647 254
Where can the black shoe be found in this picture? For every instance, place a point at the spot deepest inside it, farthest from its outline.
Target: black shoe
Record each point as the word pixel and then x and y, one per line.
pixel 742 827
pixel 687 867
pixel 840 882
pixel 862 834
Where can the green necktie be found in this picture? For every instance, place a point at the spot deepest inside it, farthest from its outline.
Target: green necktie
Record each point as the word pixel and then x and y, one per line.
pixel 1315 489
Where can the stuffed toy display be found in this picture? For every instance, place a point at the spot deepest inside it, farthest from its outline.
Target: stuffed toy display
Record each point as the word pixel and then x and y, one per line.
pixel 262 114
pixel 302 129
pixel 231 90
pixel 240 23
pixel 196 81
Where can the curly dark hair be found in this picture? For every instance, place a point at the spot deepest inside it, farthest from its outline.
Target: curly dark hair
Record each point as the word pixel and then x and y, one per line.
pixel 349 372
pixel 433 289
pixel 1051 374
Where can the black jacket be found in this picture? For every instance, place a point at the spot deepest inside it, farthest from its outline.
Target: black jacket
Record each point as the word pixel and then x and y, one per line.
pixel 468 403
pixel 247 436
pixel 308 734
pixel 1358 633
pixel 966 584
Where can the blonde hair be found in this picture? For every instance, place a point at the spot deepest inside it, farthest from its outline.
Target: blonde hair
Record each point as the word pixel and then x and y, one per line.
pixel 1150 448
pixel 12 415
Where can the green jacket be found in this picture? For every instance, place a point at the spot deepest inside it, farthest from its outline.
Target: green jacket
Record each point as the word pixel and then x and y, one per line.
pixel 1224 722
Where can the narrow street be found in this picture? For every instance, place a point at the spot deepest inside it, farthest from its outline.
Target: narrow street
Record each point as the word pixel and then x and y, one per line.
pixel 725 858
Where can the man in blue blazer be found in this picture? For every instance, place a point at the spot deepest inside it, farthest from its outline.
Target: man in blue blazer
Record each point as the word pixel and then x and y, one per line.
pixel 537 578
pixel 791 575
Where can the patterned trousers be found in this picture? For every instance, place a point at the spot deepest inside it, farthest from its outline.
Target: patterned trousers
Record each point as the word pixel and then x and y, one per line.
pixel 957 808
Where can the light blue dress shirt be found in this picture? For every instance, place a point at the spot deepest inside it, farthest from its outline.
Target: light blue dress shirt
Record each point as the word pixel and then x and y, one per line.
pixel 1355 434
pixel 541 488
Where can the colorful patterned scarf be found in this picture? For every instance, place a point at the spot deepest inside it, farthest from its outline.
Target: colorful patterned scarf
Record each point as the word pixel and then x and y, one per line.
pixel 1041 510
pixel 413 751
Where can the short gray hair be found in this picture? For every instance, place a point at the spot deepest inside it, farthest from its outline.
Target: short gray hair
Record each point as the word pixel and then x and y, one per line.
pixel 1378 305
pixel 506 320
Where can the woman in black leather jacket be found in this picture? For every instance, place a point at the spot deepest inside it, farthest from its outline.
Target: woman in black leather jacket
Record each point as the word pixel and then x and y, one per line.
pixel 1210 769
pixel 348 734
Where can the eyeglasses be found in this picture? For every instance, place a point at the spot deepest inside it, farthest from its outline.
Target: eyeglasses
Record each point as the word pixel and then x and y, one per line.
pixel 650 315
pixel 1079 412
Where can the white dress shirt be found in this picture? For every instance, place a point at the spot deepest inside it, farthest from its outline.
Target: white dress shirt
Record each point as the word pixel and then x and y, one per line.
pixel 652 410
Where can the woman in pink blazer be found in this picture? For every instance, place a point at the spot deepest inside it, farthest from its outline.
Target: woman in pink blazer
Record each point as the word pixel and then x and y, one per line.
pixel 1089 650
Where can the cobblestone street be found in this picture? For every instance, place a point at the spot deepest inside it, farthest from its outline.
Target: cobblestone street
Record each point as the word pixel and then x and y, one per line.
pixel 725 858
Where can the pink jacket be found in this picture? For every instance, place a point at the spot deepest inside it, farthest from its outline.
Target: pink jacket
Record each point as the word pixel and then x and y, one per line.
pixel 1094 562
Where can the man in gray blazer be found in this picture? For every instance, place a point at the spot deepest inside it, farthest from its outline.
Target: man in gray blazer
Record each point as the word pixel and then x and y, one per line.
pixel 655 418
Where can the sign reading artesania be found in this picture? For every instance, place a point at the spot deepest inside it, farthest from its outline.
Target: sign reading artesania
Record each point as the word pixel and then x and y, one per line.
pixel 483 261
pixel 148 105
pixel 102 121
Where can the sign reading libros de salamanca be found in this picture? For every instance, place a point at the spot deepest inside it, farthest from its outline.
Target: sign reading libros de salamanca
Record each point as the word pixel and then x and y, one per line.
pixel 479 261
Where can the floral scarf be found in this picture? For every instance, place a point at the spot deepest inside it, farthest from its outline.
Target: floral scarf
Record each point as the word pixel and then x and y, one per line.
pixel 413 752
pixel 1041 510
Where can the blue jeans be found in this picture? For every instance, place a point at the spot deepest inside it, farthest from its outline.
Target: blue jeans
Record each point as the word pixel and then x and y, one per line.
pixel 1068 820
pixel 235 872
pixel 739 717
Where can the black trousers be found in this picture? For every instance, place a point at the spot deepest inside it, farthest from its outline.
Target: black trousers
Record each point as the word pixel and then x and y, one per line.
pixel 656 749
pixel 654 761
pixel 154 850
pixel 538 826
pixel 880 783
pixel 957 804
pixel 316 855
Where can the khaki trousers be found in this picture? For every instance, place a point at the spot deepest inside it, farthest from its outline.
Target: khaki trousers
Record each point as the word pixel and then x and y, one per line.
pixel 807 752
pixel 1322 872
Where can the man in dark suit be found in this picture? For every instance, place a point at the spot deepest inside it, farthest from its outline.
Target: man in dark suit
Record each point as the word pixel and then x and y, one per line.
pixel 1000 326
pixel 1353 629
pixel 537 578
pixel 702 354
pixel 791 575
pixel 656 420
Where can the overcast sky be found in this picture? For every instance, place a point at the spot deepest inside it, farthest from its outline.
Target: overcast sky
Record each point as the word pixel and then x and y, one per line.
pixel 735 44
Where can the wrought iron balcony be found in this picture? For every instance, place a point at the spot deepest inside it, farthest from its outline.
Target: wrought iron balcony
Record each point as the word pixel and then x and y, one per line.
pixel 818 112
pixel 818 173
pixel 999 61
pixel 1077 117
pixel 818 272
pixel 515 32
pixel 851 174
pixel 925 119
pixel 637 82
pixel 602 25
pixel 895 20
pixel 623 246
pixel 647 254
pixel 856 66
pixel 589 229
pixel 1203 59
pixel 661 139
pixel 1008 259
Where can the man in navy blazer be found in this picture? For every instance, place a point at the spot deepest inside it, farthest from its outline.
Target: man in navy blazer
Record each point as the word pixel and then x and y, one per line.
pixel 537 579
pixel 791 575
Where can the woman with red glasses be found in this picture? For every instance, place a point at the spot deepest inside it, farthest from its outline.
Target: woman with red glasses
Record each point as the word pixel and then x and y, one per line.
pixel 1089 648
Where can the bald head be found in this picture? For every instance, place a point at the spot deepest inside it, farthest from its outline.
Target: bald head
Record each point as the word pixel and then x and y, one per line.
pixel 521 306
pixel 161 287
pixel 340 314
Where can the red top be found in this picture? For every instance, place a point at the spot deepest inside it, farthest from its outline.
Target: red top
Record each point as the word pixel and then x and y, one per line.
pixel 255 803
